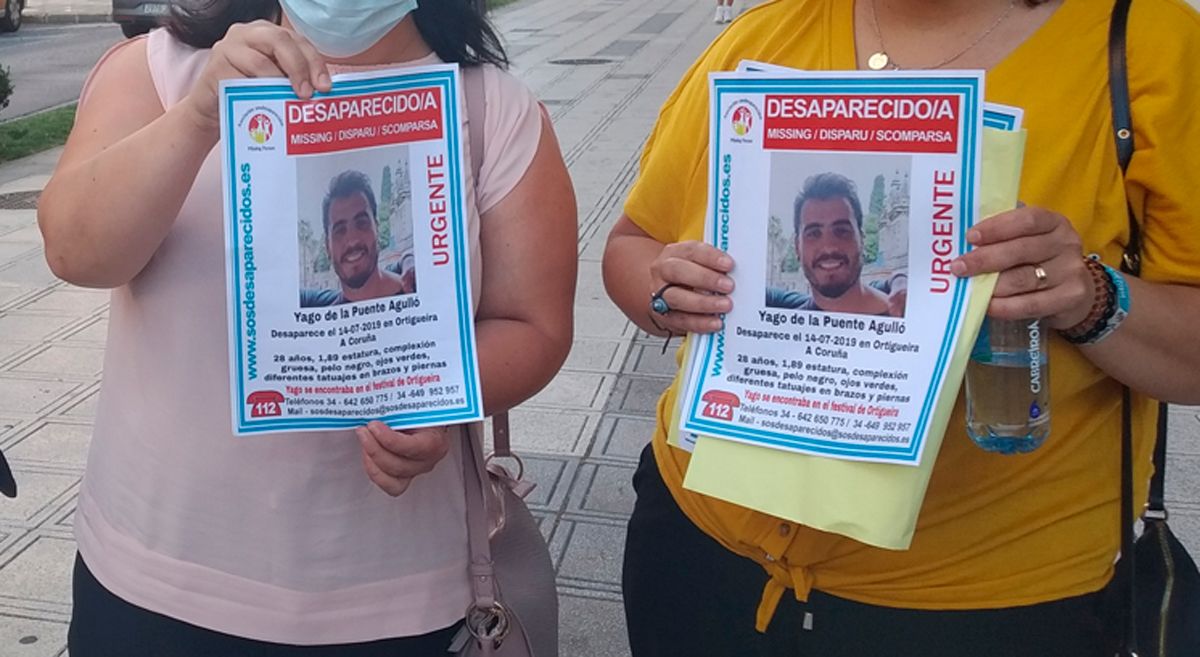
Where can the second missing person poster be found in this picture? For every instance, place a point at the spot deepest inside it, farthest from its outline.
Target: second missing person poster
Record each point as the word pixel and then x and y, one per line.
pixel 843 198
pixel 348 273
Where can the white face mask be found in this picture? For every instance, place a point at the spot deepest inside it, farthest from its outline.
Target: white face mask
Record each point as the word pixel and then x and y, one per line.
pixel 344 28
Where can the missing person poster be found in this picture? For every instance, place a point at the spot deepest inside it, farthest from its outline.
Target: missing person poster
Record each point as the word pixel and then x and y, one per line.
pixel 843 198
pixel 347 267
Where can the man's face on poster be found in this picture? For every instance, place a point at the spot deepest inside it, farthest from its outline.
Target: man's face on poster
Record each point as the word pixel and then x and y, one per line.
pixel 829 245
pixel 352 239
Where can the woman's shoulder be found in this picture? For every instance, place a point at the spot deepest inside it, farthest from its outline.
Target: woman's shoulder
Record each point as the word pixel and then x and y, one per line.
pixel 174 65
pixel 121 66
pixel 1173 24
pixel 1163 45
pixel 501 86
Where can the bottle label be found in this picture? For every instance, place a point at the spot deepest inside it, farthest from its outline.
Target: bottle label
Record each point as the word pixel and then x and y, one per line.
pixel 1035 359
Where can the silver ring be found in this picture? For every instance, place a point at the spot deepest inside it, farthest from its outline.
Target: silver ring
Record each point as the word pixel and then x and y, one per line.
pixel 658 304
pixel 1040 274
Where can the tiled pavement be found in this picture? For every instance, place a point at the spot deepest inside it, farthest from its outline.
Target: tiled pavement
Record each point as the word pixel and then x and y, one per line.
pixel 580 436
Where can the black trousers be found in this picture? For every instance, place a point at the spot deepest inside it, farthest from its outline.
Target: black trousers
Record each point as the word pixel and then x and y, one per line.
pixel 686 595
pixel 103 625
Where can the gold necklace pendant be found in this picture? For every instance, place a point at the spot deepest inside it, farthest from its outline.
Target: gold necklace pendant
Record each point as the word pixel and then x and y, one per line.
pixel 878 61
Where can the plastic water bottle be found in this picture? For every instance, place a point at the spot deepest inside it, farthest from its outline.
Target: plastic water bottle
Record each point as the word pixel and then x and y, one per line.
pixel 1008 387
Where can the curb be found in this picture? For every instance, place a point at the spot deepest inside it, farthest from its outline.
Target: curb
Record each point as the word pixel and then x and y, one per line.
pixel 66 19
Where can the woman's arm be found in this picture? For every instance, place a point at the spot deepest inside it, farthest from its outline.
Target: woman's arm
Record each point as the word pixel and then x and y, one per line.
pixel 122 178
pixel 636 266
pixel 1155 351
pixel 128 164
pixel 524 324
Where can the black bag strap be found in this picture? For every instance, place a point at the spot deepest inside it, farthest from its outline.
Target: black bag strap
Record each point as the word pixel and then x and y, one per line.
pixel 1122 123
pixel 1131 263
pixel 8 483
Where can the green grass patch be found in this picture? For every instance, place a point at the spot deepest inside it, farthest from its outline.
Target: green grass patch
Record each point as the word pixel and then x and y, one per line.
pixel 493 4
pixel 33 134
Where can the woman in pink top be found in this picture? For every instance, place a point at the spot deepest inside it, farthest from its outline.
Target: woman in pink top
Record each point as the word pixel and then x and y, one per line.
pixel 193 541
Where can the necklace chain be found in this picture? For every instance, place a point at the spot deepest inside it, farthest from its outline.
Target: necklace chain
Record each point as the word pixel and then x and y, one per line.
pixel 882 60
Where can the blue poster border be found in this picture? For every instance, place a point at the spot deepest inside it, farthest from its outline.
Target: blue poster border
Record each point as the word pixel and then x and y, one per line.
pixel 448 81
pixel 967 88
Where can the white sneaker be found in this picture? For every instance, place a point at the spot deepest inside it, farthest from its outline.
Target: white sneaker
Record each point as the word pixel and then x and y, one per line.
pixel 720 15
pixel 727 14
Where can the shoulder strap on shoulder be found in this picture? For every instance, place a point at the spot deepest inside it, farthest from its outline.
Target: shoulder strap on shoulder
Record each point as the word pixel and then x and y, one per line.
pixel 476 101
pixel 476 98
pixel 1122 119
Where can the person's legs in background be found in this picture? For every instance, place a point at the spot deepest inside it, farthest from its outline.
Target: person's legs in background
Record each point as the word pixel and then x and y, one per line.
pixel 724 11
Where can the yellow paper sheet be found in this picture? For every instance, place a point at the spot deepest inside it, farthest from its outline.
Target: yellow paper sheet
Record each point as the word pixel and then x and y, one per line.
pixel 875 503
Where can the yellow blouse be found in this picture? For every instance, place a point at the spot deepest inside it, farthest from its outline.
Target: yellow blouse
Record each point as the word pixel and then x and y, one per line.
pixel 994 531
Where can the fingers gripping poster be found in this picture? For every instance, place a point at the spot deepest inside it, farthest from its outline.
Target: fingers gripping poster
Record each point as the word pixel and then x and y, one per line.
pixel 843 198
pixel 347 269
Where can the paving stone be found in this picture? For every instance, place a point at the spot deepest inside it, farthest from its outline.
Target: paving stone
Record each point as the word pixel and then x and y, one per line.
pixel 24 326
pixel 562 432
pixel 553 478
pixel 579 390
pixel 600 322
pixel 25 637
pixel 31 183
pixel 593 553
pixel 57 359
pixel 28 234
pixel 626 437
pixel 57 442
pixel 84 408
pixel 1183 479
pixel 69 300
pixel 8 424
pixel 9 349
pixel 605 489
pixel 592 628
pixel 1184 430
pixel 28 271
pixel 651 359
pixel 14 220
pixel 96 332
pixel 637 395
pixel 10 293
pixel 30 396
pixel 40 572
pixel 589 289
pixel 15 249
pixel 1186 525
pixel 38 493
pixel 594 354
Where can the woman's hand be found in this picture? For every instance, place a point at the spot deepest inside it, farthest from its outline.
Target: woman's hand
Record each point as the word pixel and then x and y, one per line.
pixel 700 287
pixel 1038 254
pixel 257 50
pixel 393 458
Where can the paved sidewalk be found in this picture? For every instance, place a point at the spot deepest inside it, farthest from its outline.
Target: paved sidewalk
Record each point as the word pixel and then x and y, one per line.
pixel 581 436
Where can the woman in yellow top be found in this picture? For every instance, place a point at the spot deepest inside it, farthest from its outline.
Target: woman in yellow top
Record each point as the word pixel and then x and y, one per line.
pixel 1011 553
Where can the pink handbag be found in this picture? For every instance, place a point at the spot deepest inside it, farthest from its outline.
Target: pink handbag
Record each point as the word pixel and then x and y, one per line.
pixel 515 608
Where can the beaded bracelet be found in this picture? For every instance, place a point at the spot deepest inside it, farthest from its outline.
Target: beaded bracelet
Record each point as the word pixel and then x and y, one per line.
pixel 1109 310
pixel 1100 304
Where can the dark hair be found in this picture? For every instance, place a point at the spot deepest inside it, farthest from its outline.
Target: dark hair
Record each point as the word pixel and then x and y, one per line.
pixel 824 186
pixel 345 185
pixel 457 30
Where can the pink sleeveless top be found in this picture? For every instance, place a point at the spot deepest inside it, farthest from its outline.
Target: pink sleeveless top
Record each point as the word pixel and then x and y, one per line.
pixel 278 538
